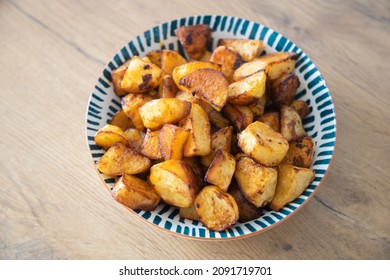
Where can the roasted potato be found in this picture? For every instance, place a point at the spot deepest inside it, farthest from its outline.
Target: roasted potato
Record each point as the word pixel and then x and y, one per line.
pixel 119 160
pixel 210 85
pixel 130 105
pixel 220 140
pixel 187 96
pixel 301 152
pixel 174 182
pixel 271 119
pixel 198 142
pixel 263 144
pixel 301 107
pixel 248 69
pixel 216 209
pixel 150 147
pixel 189 213
pixel 248 49
pixel 117 76
pixel 258 107
pixel 240 116
pixel 170 60
pixel 140 76
pixel 135 138
pixel 197 168
pixel 206 56
pixel 167 88
pixel 194 39
pixel 246 209
pixel 248 90
pixel 171 139
pixel 279 63
pixel 284 89
pixel 155 57
pixel 292 181
pixel 229 59
pixel 158 112
pixel 217 119
pixel 121 120
pixel 135 193
pixel 256 182
pixel 108 135
pixel 291 124
pixel 221 170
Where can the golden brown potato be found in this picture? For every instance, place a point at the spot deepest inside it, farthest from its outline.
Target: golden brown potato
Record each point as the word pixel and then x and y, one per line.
pixel 194 39
pixel 229 59
pixel 206 56
pixel 189 213
pixel 284 89
pixel 121 120
pixel 263 144
pixel 249 68
pixel 117 76
pixel 279 63
pixel 301 152
pixel 158 112
pixel 135 138
pixel 292 181
pixel 140 76
pixel 130 105
pixel 174 182
pixel 271 119
pixel 171 140
pixel 291 124
pixel 240 116
pixel 119 160
pixel 256 182
pixel 198 143
pixel 248 49
pixel 216 209
pixel 258 107
pixel 217 119
pixel 197 168
pixel 246 209
pixel 150 147
pixel 155 57
pixel 108 135
pixel 222 140
pixel 248 90
pixel 301 107
pixel 170 60
pixel 221 170
pixel 135 193
pixel 210 85
pixel 167 88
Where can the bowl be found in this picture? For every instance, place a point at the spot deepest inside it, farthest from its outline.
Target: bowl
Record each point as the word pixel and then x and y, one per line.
pixel 320 124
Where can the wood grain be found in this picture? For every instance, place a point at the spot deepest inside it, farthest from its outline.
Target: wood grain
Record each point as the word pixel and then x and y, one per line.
pixel 53 205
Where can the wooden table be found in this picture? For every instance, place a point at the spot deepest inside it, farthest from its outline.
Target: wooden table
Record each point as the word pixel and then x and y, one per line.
pixel 52 203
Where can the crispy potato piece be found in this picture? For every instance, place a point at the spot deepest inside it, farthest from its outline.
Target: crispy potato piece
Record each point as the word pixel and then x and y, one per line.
pixel 247 90
pixel 119 160
pixel 167 88
pixel 135 138
pixel 135 193
pixel 117 76
pixel 248 49
pixel 221 170
pixel 279 63
pixel 256 182
pixel 140 76
pixel 291 124
pixel 301 152
pixel 189 213
pixel 108 135
pixel 222 140
pixel 301 107
pixel 158 112
pixel 263 144
pixel 240 116
pixel 194 39
pixel 258 107
pixel 150 147
pixel 217 119
pixel 210 85
pixel 174 182
pixel 248 69
pixel 155 57
pixel 246 209
pixel 121 120
pixel 229 59
pixel 206 56
pixel 193 163
pixel 187 96
pixel 292 181
pixel 271 119
pixel 130 105
pixel 170 60
pixel 217 209
pixel 198 143
pixel 284 89
pixel 171 140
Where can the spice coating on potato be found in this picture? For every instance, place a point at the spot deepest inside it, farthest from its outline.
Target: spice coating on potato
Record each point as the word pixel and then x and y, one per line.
pixel 167 88
pixel 194 39
pixel 284 89
pixel 301 152
pixel 271 119
pixel 291 125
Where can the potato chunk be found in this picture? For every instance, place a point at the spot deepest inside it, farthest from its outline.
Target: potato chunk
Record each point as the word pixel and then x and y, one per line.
pixel 174 182
pixel 189 213
pixel 249 68
pixel 292 181
pixel 271 119
pixel 135 193
pixel 247 90
pixel 171 139
pixel 155 57
pixel 256 182
pixel 301 107
pixel 240 116
pixel 258 107
pixel 130 105
pixel 217 209
pixel 291 124
pixel 194 39
pixel 301 152
pixel 221 170
pixel 158 112
pixel 170 60
pixel 140 76
pixel 150 147
pixel 121 120
pixel 229 59
pixel 108 135
pixel 263 144
pixel 135 138
pixel 284 89
pixel 117 76
pixel 119 160
pixel 167 88
pixel 220 140
pixel 248 49
pixel 246 209
pixel 279 63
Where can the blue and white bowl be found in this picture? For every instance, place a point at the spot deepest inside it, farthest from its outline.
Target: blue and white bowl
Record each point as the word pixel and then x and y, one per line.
pixel 320 124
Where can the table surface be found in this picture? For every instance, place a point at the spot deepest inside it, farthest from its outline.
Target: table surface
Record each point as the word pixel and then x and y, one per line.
pixel 54 206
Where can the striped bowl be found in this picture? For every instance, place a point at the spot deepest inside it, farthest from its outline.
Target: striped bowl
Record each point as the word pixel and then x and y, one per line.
pixel 320 124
